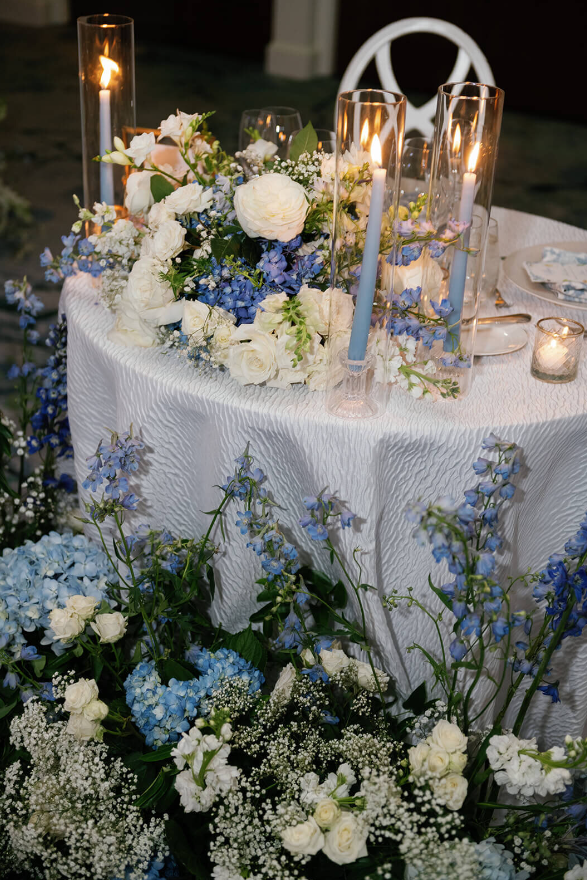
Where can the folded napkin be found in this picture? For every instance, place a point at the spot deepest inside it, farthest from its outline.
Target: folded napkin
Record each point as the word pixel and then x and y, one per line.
pixel 564 272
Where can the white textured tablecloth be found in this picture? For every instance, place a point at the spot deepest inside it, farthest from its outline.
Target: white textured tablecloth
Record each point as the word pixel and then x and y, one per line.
pixel 195 424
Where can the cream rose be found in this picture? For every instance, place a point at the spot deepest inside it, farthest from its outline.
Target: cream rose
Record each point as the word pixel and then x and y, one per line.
pixel 269 315
pixel 333 661
pixel 199 320
pixel 458 762
pixel 79 694
pixel 138 197
pixel 160 213
pixel 326 813
pixel 305 838
pixel 329 311
pixel 253 360
pixel 423 272
pixel 448 736
pixel 451 790
pixel 189 199
pixel 438 761
pixel 65 625
pixel 83 606
pixel 417 756
pixel 82 728
pixel 168 240
pixel 366 678
pixel 221 341
pixel 144 288
pixel 131 329
pixel 109 627
pixel 96 710
pixel 272 206
pixel 284 683
pixel 346 841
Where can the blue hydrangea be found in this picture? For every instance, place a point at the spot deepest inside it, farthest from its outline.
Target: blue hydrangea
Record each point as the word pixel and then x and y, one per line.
pixel 495 861
pixel 218 667
pixel 38 577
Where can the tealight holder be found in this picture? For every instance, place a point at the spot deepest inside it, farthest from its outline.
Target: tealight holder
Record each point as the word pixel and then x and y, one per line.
pixel 365 171
pixel 107 97
pixel 557 350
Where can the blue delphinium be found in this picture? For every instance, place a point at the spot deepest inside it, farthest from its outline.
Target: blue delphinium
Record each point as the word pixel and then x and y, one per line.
pixel 49 422
pixel 321 508
pixel 110 467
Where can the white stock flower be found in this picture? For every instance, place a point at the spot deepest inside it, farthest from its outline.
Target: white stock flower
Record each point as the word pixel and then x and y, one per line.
pixel 417 756
pixel 168 241
pixel 326 813
pixel 65 625
pixel 138 197
pixel 96 710
pixel 579 872
pixel 189 199
pixel 448 736
pixel 366 678
pixel 284 683
pixel 83 606
pixel 269 312
pixel 326 370
pixel 346 841
pixel 253 360
pixel 81 727
pixel 333 661
pixel 262 150
pixel 110 627
pixel 451 790
pixel 305 838
pixel 310 788
pixel 141 146
pixel 328 311
pixel 272 206
pixel 160 213
pixel 79 694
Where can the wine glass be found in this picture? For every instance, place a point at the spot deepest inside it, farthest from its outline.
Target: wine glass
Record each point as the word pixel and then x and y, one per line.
pixel 280 122
pixel 254 120
pixel 415 173
pixel 326 140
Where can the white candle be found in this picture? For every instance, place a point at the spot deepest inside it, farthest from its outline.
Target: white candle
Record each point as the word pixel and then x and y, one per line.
pixel 106 171
pixel 551 357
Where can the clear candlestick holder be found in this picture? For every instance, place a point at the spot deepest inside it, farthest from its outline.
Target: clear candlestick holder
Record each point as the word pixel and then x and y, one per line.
pixel 557 350
pixel 353 397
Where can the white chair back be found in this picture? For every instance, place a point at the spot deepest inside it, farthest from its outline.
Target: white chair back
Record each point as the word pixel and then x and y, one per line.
pixel 378 47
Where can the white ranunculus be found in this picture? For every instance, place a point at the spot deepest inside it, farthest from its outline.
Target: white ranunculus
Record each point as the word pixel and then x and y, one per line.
pixel 96 710
pixel 333 661
pixel 272 206
pixel 109 627
pixel 80 694
pixel 366 678
pixel 269 312
pixel 417 756
pixel 346 841
pixel 160 213
pixel 65 625
pixel 305 838
pixel 168 241
pixel 438 761
pixel 253 360
pixel 284 683
pixel 326 813
pixel 190 199
pixel 448 736
pixel 262 149
pixel 451 790
pixel 329 311
pixel 83 606
pixel 138 197
pixel 81 727
pixel 144 288
pixel 141 146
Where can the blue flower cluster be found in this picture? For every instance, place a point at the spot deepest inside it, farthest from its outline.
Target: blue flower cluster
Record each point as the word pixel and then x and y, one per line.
pixel 285 271
pixel 72 258
pixel 320 509
pixel 231 288
pixel 465 535
pixel 110 462
pixel 495 861
pixel 162 712
pixel 50 422
pixel 247 480
pixel 36 578
pixel 405 318
pixel 30 306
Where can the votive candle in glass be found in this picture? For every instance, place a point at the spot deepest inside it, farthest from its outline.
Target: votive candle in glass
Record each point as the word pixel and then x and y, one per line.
pixel 557 350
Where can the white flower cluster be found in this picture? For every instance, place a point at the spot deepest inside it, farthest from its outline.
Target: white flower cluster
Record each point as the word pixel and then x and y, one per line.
pixel 205 771
pixel 70 622
pixel 335 661
pixel 441 759
pixel 69 811
pixel 86 710
pixel 579 872
pixel 516 765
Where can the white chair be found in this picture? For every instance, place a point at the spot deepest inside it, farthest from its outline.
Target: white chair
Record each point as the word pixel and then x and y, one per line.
pixel 378 47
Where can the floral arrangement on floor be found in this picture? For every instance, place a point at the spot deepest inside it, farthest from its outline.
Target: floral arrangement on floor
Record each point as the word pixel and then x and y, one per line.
pixel 227 260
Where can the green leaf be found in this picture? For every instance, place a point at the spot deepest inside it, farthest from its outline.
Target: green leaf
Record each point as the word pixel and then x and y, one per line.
pixel 416 701
pixel 78 650
pixel 160 187
pixel 175 669
pixel 250 251
pixel 6 710
pixel 224 247
pixel 247 644
pixel 442 596
pixel 161 754
pixel 183 850
pixel 154 791
pixel 305 141
pixel 39 665
pixel 260 615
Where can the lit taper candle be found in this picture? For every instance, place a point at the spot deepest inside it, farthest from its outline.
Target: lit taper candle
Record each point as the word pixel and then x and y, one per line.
pixel 106 171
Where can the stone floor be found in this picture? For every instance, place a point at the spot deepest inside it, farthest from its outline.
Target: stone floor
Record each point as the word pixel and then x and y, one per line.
pixel 542 165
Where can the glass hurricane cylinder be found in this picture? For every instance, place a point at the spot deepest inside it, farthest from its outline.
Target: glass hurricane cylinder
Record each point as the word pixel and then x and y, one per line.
pixel 365 171
pixel 557 350
pixel 466 136
pixel 107 96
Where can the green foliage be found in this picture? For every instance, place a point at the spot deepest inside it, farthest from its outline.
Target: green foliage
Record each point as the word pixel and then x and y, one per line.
pixel 306 141
pixel 160 187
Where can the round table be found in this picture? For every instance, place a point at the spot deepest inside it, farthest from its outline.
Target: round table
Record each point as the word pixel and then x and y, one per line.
pixel 196 423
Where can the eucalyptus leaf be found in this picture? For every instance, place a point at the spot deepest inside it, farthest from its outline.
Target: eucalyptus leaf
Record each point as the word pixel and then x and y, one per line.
pixel 305 141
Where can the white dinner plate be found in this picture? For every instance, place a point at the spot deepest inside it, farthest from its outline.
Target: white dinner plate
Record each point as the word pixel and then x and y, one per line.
pixel 514 271
pixel 499 339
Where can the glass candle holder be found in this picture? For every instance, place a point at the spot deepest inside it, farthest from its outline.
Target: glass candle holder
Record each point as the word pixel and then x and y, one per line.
pixel 107 96
pixel 366 170
pixel 557 350
pixel 466 136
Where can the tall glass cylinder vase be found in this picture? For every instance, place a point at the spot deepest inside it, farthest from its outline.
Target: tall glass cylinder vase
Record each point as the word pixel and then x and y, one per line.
pixel 366 171
pixel 466 135
pixel 107 95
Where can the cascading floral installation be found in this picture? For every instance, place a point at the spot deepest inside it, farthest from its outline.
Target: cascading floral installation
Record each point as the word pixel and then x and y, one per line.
pixel 226 260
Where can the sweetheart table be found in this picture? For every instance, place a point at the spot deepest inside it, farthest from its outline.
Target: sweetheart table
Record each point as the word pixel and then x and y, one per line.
pixel 196 423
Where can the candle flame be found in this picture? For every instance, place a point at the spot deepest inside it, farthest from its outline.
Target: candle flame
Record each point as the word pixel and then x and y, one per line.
pixel 365 133
pixel 109 67
pixel 565 331
pixel 376 150
pixel 473 156
pixel 456 144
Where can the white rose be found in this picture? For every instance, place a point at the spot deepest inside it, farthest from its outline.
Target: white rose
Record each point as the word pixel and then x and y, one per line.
pixel 308 658
pixel 189 199
pixel 95 711
pixel 262 150
pixel 333 661
pixel 221 341
pixel 167 157
pixel 138 197
pixel 253 360
pixel 366 678
pixel 144 288
pixel 448 736
pixel 451 790
pixel 65 625
pixel 305 838
pixel 82 728
pixel 174 127
pixel 284 683
pixel 417 756
pixel 141 146
pixel 346 840
pixel 79 694
pixel 131 329
pixel 199 320
pixel 83 606
pixel 269 312
pixel 458 762
pixel 168 241
pixel 160 213
pixel 326 813
pixel 423 272
pixel 327 371
pixel 272 206
pixel 328 311
pixel 109 627
pixel 438 761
